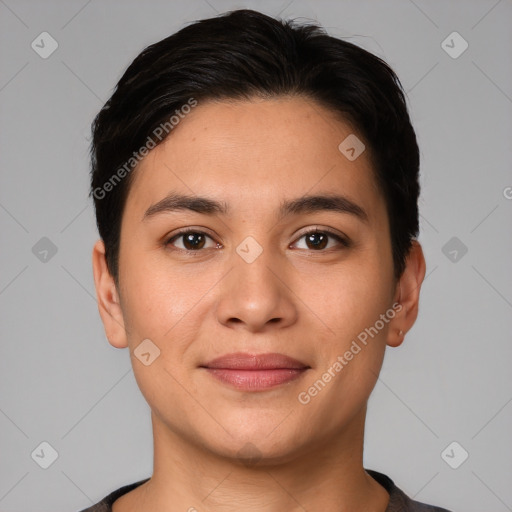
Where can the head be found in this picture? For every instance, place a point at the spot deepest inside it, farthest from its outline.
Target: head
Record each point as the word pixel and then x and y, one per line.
pixel 256 188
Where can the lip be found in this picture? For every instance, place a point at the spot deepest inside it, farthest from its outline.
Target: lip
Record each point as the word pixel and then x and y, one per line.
pixel 255 372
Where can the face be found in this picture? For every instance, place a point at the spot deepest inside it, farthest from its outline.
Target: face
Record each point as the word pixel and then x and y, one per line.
pixel 261 267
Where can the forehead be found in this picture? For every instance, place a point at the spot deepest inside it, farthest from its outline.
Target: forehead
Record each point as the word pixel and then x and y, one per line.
pixel 256 153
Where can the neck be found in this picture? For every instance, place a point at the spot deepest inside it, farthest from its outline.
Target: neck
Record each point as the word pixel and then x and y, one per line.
pixel 328 475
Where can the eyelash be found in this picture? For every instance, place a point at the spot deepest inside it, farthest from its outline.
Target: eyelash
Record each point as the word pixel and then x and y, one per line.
pixel 344 242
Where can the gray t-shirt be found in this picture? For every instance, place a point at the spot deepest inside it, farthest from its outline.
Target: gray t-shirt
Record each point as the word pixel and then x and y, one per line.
pixel 398 500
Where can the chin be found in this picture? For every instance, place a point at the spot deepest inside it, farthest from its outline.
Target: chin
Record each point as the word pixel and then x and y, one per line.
pixel 260 443
pixel 260 452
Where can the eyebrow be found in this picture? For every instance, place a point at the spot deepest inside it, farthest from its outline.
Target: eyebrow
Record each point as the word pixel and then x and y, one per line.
pixel 305 204
pixel 322 202
pixel 175 202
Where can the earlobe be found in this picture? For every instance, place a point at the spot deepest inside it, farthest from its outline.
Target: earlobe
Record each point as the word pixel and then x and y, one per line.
pixel 408 290
pixel 395 338
pixel 107 297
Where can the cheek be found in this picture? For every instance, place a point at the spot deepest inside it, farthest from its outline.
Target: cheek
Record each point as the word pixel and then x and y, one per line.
pixel 166 305
pixel 351 297
pixel 159 384
pixel 154 296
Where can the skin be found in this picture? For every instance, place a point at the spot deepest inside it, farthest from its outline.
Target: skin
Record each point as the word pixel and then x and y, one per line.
pixel 295 299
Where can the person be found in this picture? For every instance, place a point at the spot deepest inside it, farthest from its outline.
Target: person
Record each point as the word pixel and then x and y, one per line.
pixel 256 187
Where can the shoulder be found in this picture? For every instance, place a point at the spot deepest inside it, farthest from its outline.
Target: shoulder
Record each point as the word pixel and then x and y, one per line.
pixel 398 500
pixel 105 505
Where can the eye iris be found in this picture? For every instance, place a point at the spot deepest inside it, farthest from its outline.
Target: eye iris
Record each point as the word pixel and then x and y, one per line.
pixel 193 240
pixel 318 240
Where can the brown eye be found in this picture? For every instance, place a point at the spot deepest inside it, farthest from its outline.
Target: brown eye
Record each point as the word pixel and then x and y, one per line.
pixel 193 241
pixel 317 240
pixel 190 240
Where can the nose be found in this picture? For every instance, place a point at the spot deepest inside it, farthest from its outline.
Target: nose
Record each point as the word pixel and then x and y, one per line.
pixel 255 296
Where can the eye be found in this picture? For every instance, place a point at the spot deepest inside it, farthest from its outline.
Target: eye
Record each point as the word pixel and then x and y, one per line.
pixel 191 241
pixel 318 240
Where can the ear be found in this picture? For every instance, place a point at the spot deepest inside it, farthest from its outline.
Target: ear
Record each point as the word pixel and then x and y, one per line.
pixel 407 296
pixel 108 298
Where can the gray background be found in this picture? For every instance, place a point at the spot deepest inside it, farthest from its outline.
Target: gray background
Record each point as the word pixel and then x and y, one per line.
pixel 61 382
